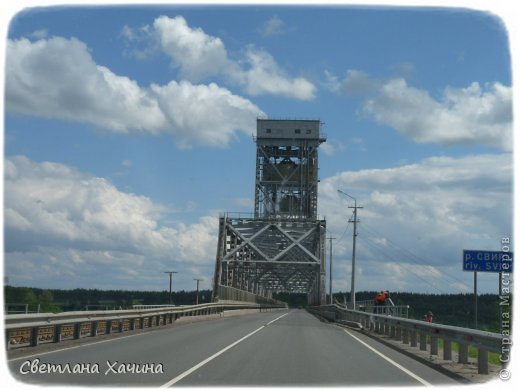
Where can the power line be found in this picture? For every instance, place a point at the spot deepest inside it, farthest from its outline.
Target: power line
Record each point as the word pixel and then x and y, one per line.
pixel 414 257
pixel 381 251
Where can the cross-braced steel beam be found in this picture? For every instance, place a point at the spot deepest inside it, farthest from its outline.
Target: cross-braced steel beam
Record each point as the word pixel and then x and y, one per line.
pixel 281 248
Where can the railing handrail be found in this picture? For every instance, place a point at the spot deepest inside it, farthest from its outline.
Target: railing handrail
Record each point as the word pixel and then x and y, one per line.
pixel 15 320
pixel 474 337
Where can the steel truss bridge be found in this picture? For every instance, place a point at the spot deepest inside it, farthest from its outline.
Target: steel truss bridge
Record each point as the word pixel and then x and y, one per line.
pixel 265 256
pixel 281 247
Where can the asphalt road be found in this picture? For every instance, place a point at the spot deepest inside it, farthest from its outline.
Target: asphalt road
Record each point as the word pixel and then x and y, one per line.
pixel 266 349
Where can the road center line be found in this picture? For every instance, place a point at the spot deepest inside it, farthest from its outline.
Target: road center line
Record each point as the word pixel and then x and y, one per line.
pixel 406 371
pixel 217 354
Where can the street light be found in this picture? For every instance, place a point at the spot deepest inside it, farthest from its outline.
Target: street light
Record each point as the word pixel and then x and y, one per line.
pixel 354 235
pixel 171 273
pixel 198 280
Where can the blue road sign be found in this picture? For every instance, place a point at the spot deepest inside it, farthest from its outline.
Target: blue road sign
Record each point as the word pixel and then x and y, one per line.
pixel 487 261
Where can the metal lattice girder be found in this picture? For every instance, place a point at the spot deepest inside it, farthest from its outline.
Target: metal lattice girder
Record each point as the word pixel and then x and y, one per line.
pixel 283 247
pixel 275 255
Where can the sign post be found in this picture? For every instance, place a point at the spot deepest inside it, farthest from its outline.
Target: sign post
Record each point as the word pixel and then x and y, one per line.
pixel 475 295
pixel 486 261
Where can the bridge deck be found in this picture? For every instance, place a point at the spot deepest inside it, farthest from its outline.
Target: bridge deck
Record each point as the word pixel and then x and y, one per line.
pixel 276 348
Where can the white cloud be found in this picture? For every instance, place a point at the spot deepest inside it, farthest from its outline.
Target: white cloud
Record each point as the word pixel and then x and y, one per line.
pixel 433 208
pixel 139 42
pixel 199 56
pixel 75 223
pixel 273 26
pixel 57 78
pixel 355 82
pixel 207 114
pixel 265 76
pixel 39 34
pixel 472 115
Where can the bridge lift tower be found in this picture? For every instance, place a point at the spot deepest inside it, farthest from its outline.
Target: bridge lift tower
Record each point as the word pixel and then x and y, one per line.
pixel 281 248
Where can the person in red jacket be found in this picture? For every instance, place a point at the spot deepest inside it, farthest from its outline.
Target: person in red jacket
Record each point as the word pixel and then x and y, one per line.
pixel 380 300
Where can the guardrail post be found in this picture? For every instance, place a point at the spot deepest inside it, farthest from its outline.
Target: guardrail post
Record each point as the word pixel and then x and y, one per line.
pixel 108 327
pixel 57 333
pixel 413 337
pixel 422 341
pixel 93 329
pixel 434 347
pixel 392 331
pixel 463 353
pixel 405 336
pixel 34 336
pixel 398 331
pixel 121 326
pixel 77 331
pixel 483 366
pixel 446 348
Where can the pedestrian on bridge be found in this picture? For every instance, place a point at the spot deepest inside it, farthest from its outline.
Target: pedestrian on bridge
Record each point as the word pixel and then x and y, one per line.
pixel 380 301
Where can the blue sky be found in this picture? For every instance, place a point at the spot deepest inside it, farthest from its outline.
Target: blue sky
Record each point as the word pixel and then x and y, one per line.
pixel 128 130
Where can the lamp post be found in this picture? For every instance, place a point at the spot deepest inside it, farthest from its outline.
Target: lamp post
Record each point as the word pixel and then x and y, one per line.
pixel 171 273
pixel 354 235
pixel 330 261
pixel 198 280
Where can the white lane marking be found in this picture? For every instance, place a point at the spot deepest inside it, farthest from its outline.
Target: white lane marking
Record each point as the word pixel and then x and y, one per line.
pixel 276 319
pixel 406 371
pixel 217 354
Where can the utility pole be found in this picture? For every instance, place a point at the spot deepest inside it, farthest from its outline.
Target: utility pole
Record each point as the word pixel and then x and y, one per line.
pixel 171 273
pixel 198 280
pixel 330 282
pixel 354 235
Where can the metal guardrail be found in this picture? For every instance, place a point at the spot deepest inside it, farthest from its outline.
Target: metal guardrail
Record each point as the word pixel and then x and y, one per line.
pixel 368 306
pixel 226 293
pixel 24 330
pixel 17 308
pixel 416 332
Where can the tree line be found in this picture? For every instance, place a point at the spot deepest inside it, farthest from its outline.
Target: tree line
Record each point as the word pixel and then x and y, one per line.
pixel 54 300
pixel 449 309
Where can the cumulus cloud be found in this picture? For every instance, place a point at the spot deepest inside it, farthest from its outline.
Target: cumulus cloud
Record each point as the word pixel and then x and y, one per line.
pixel 473 115
pixel 210 113
pixel 76 221
pixel 265 76
pixel 57 78
pixel 199 56
pixel 435 208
